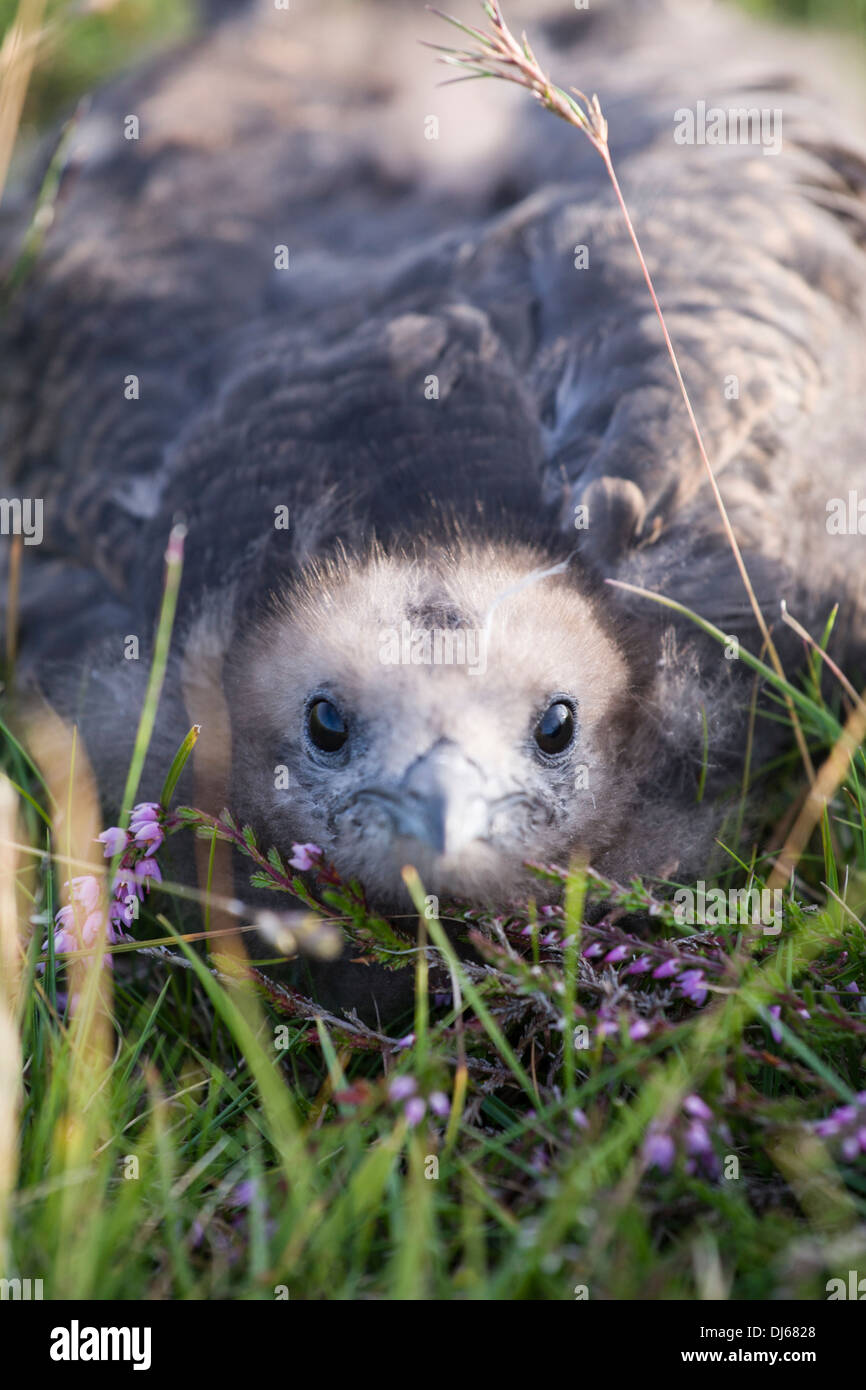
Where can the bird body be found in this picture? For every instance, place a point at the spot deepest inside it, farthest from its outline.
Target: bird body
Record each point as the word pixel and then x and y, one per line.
pixel 411 402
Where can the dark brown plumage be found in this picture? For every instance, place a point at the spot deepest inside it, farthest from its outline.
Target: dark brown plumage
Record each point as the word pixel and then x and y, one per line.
pixel 310 388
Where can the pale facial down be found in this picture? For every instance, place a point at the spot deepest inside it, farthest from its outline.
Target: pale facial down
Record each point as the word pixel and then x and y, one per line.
pixel 442 713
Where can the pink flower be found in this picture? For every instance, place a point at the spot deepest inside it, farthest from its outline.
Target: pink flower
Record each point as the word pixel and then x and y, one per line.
pixel 415 1110
pixel 665 970
pixel 659 1151
pixel 775 1031
pixel 113 840
pixel 845 1114
pixel 84 890
pixel 63 941
pixel 91 929
pixel 697 1139
pixel 142 813
pixel 65 917
pixel 617 954
pixel 402 1087
pixel 697 1108
pixel 827 1128
pixel 147 872
pixel 640 966
pixel 305 856
pixel 693 986
pixel 639 1029
pixel 440 1104
pixel 126 884
pixel 150 834
pixel 121 913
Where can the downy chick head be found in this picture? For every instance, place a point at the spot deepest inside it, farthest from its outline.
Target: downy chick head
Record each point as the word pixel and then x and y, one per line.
pixel 462 712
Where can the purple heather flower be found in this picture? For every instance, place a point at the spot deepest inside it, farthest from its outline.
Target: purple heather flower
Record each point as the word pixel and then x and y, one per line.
pixel 121 914
pixel 639 1029
pixel 595 949
pixel 84 890
pixel 616 955
pixel 92 927
pixel 659 1151
pixel 697 1139
pixel 64 941
pixel 143 812
pixel 846 1117
pixel 305 856
pixel 579 1118
pixel 402 1087
pixel 640 966
pixel 244 1194
pixel 147 869
pixel 693 986
pixel 440 1104
pixel 113 841
pixel 853 987
pixel 415 1110
pixel 697 1108
pixel 666 969
pixel 775 1031
pixel 150 834
pixel 826 1129
pixel 126 885
pixel 845 1114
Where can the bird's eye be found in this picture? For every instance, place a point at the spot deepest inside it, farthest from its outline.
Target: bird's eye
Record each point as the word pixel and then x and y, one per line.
pixel 326 726
pixel 555 729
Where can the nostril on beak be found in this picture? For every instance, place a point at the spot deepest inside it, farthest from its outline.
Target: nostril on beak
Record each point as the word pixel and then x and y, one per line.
pixel 442 804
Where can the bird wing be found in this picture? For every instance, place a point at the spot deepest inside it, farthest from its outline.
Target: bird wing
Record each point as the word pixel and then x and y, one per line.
pixel 160 360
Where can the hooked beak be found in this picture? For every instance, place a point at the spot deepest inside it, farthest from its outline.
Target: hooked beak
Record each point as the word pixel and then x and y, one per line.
pixel 439 803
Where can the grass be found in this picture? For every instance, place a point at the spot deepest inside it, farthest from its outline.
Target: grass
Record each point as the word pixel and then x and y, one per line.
pixel 82 44
pixel 550 1124
pixel 235 1142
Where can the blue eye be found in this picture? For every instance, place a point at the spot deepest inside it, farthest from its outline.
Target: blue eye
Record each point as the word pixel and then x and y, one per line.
pixel 326 726
pixel 555 729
